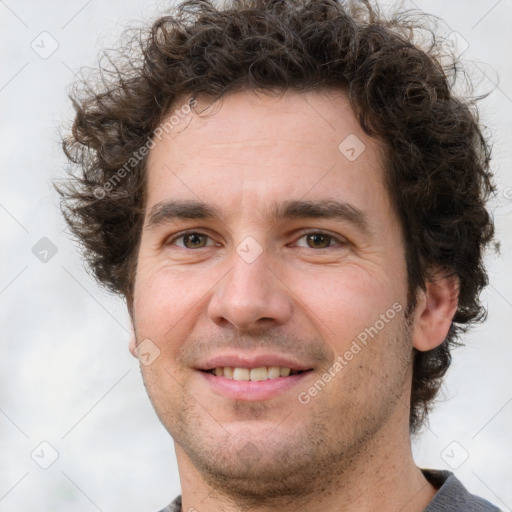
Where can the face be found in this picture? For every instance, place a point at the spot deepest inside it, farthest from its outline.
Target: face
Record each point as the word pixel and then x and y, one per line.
pixel 271 252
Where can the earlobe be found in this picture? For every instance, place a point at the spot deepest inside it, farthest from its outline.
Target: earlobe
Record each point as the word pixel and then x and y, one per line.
pixel 434 312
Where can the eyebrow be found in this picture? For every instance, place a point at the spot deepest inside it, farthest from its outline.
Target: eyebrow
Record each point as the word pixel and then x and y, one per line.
pixel 322 209
pixel 168 211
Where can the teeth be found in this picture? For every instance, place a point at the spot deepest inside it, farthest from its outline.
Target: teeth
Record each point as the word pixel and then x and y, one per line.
pixel 284 372
pixel 259 374
pixel 274 372
pixel 252 374
pixel 241 374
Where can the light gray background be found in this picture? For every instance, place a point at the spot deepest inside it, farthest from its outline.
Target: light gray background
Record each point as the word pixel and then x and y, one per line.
pixel 66 375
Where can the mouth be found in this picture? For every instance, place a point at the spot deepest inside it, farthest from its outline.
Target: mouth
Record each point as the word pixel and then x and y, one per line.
pixel 253 376
pixel 257 374
pixel 254 383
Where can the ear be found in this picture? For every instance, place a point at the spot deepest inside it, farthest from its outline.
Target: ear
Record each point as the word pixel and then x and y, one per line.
pixel 434 311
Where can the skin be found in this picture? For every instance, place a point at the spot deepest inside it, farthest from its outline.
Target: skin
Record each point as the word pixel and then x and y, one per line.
pixel 348 448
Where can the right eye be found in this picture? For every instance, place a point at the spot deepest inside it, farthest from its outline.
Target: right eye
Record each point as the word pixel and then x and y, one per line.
pixel 191 240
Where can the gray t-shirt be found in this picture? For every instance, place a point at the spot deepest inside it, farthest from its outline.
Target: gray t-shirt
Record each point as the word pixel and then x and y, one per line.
pixel 451 496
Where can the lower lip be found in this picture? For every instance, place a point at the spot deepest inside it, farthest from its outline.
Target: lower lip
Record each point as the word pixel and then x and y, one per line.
pixel 253 390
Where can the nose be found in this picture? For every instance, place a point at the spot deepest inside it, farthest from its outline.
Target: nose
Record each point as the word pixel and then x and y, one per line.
pixel 251 296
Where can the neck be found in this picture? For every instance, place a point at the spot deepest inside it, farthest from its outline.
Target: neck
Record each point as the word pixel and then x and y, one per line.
pixel 383 477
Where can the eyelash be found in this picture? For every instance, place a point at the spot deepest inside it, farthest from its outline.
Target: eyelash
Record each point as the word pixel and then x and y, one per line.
pixel 340 241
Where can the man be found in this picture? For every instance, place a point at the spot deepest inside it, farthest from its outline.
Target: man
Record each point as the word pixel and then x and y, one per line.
pixel 292 202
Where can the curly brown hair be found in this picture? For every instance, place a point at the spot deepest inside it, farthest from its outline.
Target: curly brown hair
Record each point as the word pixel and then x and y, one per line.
pixel 437 158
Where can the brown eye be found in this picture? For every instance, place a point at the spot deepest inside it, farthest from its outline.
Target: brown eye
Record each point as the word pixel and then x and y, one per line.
pixel 318 240
pixel 191 240
pixel 194 241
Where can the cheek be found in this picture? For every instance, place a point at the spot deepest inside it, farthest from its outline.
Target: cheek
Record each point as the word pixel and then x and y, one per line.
pixel 343 302
pixel 359 315
pixel 164 302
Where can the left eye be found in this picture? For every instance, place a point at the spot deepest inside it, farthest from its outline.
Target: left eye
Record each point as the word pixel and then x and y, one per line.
pixel 318 240
pixel 191 240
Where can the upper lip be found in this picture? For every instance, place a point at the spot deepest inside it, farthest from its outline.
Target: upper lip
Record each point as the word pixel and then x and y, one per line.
pixel 240 360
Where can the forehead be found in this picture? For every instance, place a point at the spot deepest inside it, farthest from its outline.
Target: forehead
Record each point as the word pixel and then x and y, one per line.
pixel 249 150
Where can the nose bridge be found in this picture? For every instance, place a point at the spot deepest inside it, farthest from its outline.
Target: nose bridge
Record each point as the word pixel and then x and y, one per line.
pixel 251 272
pixel 250 292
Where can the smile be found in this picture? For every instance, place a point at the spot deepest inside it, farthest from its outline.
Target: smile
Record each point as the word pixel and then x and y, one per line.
pixel 253 384
pixel 253 374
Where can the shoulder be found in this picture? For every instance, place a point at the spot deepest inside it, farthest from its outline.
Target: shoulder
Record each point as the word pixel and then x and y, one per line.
pixel 452 496
pixel 175 506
